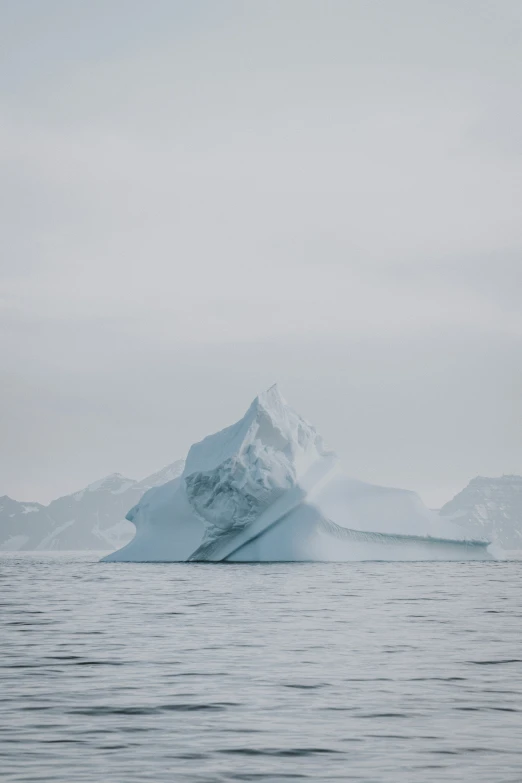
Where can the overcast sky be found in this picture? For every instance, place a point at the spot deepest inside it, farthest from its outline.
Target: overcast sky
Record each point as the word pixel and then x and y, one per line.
pixel 200 198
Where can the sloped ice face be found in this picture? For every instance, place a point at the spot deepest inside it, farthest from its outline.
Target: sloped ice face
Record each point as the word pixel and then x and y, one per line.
pixel 267 489
pixel 233 476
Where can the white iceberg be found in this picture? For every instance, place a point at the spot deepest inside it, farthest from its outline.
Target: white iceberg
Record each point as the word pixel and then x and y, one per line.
pixel 267 489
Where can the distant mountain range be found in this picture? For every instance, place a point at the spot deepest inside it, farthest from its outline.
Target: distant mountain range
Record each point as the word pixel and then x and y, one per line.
pixel 490 508
pixel 93 518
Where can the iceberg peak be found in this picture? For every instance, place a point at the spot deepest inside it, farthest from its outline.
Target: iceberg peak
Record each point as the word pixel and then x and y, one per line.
pixel 270 399
pixel 269 425
pixel 231 477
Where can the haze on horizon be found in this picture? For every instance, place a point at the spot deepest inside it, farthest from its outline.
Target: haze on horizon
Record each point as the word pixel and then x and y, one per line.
pixel 199 199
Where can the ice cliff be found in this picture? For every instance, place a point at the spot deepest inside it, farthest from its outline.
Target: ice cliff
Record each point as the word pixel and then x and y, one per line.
pixel 267 489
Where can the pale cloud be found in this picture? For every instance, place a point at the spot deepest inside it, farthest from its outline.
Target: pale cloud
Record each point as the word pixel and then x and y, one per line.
pixel 183 183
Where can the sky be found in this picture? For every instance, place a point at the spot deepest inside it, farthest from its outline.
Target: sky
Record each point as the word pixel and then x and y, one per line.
pixel 199 199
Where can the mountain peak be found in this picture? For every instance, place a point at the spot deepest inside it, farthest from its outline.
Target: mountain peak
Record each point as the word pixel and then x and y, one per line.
pixel 114 483
pixel 112 480
pixel 506 480
pixel 491 507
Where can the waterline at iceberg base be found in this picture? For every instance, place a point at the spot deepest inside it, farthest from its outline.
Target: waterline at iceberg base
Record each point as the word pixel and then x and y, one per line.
pixel 266 489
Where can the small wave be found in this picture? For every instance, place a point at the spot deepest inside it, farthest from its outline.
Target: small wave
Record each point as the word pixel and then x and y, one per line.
pixel 281 752
pixel 132 710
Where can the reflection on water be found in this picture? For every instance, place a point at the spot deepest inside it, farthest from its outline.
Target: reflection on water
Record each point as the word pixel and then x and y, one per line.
pixel 359 671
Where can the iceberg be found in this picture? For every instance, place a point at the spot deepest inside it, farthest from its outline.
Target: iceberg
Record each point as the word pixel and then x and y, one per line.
pixel 267 489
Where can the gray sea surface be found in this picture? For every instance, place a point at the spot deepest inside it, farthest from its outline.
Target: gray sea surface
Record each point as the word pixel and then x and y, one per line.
pixel 400 672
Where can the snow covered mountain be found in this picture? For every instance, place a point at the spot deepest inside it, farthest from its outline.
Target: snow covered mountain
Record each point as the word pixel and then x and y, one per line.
pixel 490 508
pixel 267 489
pixel 93 518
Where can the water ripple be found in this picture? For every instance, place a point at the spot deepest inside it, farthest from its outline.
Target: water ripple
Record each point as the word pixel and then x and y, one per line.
pixel 368 672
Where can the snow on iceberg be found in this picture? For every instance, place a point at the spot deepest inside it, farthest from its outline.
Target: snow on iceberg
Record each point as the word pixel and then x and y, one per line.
pixel 267 489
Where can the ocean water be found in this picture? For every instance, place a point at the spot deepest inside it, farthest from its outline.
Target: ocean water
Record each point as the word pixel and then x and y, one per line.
pixel 267 672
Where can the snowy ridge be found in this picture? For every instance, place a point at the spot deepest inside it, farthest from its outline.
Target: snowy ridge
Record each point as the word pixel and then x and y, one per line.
pixel 93 518
pixel 490 508
pixel 266 488
pixel 115 483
